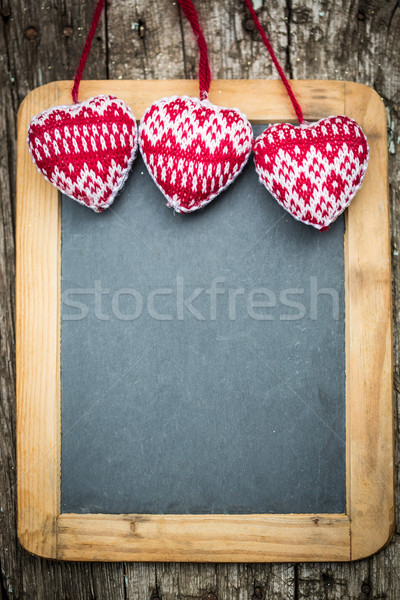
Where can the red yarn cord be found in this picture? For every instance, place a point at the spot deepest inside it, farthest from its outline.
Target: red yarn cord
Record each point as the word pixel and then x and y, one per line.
pixel 86 49
pixel 267 44
pixel 204 67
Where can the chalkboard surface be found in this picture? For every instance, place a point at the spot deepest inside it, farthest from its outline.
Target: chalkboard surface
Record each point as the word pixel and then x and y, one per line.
pixel 202 356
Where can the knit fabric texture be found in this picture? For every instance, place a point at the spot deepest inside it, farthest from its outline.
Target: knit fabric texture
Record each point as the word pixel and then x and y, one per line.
pixel 193 149
pixel 314 169
pixel 87 149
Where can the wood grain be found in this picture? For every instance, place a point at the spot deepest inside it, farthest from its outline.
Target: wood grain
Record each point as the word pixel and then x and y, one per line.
pixel 369 384
pixel 203 538
pixel 316 97
pixel 38 348
pixel 323 39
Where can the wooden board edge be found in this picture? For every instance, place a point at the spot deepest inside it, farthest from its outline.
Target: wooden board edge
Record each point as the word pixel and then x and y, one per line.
pixel 204 538
pixel 369 378
pixel 37 342
pixel 261 100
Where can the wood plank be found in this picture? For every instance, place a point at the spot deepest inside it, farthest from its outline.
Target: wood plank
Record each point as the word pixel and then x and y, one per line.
pixel 203 538
pixel 358 42
pixel 24 64
pixel 369 380
pixel 261 100
pixel 235 53
pixel 38 344
pixel 9 569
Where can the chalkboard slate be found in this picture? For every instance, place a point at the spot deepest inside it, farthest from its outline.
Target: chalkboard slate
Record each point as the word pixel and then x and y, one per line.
pixel 178 399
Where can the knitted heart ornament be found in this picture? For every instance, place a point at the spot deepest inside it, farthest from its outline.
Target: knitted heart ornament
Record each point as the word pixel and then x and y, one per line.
pixel 313 170
pixel 192 149
pixel 87 149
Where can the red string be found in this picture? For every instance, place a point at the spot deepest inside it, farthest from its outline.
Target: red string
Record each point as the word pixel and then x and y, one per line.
pixel 204 68
pixel 264 38
pixel 86 49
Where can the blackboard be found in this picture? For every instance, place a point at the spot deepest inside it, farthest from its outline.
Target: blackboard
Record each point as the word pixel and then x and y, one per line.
pixel 178 399
pixel 245 413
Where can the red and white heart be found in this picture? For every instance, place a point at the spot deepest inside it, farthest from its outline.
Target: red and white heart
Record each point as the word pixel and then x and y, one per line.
pixel 86 150
pixel 314 169
pixel 193 149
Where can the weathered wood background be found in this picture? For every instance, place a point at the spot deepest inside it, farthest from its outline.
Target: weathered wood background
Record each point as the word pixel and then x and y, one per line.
pixel 41 41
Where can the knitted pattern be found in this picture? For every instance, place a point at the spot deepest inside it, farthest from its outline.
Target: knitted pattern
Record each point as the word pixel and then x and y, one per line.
pixel 86 150
pixel 314 169
pixel 192 149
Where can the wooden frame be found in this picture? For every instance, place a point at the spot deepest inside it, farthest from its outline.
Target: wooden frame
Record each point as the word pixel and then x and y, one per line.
pixel 369 519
